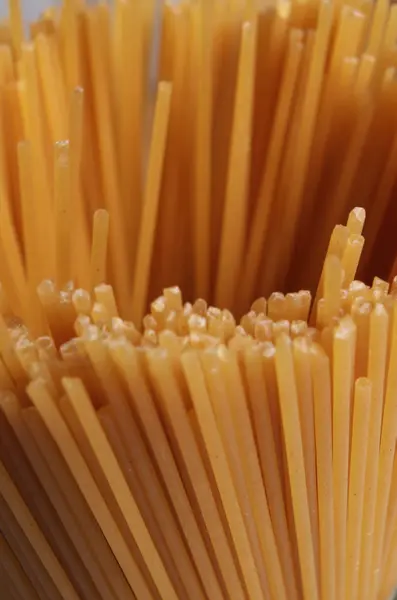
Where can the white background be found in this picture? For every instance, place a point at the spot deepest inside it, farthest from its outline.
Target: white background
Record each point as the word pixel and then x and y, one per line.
pixel 31 8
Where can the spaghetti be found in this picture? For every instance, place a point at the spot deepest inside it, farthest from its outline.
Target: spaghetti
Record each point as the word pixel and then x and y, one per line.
pixel 190 450
pixel 182 441
pixel 247 154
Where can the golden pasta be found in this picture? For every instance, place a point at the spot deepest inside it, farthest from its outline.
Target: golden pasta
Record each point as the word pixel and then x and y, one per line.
pixel 242 444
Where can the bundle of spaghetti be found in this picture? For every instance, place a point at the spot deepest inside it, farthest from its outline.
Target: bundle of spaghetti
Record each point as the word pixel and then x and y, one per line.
pixel 202 457
pixel 188 453
pixel 215 133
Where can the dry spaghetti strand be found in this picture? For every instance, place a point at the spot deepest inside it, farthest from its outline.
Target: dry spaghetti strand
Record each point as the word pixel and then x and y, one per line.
pixel 17 34
pixel 359 447
pixel 62 212
pixel 203 158
pixel 150 203
pixel 296 467
pixel 321 375
pixel 386 458
pixel 99 248
pixel 234 220
pixel 344 347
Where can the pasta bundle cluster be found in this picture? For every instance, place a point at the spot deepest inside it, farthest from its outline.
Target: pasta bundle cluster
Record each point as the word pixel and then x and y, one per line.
pixel 224 138
pixel 198 452
pixel 202 458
